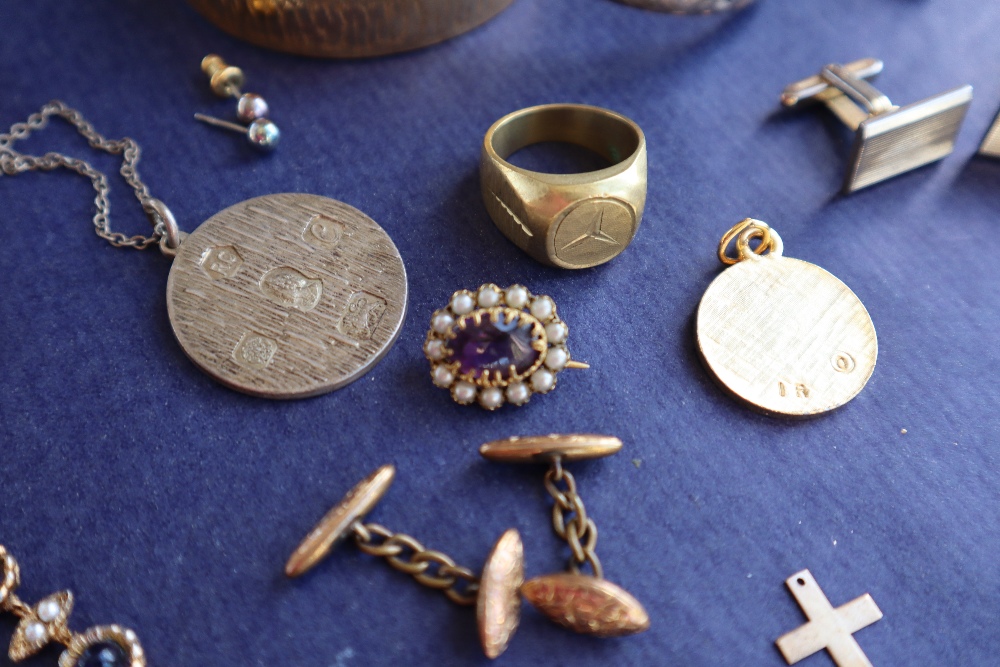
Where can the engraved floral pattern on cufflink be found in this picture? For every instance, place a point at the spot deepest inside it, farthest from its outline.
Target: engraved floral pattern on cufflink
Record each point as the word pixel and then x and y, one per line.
pixel 496 346
pixel 47 622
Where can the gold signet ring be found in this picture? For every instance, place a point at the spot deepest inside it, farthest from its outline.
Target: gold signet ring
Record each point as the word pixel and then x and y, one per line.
pixel 573 221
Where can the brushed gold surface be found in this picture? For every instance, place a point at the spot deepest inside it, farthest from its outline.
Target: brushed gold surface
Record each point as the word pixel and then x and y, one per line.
pixel 786 336
pixel 586 604
pixel 498 607
pixel 544 448
pixel 573 221
pixel 335 525
pixel 287 295
pixel 347 28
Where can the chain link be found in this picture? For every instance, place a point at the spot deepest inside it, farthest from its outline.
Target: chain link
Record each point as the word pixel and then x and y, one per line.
pixel 570 520
pixel 13 163
pixel 430 568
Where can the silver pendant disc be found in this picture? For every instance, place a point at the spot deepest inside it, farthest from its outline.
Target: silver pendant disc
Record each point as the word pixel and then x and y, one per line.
pixel 287 295
pixel 786 336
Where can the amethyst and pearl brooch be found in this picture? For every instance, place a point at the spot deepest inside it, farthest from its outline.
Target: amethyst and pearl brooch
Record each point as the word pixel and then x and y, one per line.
pixel 495 346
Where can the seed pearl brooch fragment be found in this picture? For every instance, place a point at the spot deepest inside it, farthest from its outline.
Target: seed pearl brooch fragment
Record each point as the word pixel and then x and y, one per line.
pixel 588 604
pixel 102 646
pixel 494 594
pixel 494 346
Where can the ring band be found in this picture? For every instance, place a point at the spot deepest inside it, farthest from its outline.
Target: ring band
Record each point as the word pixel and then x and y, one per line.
pixel 689 6
pixel 573 221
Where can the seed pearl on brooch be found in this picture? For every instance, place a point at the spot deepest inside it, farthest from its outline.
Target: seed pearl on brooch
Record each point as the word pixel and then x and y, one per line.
pixel 443 377
pixel 517 297
pixel 542 380
pixel 435 349
pixel 543 308
pixel 464 392
pixel 488 297
pixel 556 332
pixel 518 393
pixel 491 398
pixel 442 323
pixel 556 358
pixel 36 633
pixel 48 610
pixel 462 304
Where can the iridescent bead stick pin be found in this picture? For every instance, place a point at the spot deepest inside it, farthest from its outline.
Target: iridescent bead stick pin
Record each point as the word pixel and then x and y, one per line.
pixel 261 133
pixel 226 81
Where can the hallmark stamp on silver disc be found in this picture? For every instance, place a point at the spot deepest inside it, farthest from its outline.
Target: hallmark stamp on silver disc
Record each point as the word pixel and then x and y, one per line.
pixel 259 294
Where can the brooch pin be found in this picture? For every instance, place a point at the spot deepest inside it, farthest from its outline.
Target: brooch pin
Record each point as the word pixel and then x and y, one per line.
pixel 495 346
pixel 782 334
pixel 103 646
pixel 585 603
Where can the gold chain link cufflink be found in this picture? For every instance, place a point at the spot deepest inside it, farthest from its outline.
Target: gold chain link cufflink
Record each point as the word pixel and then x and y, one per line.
pixel 587 604
pixel 494 593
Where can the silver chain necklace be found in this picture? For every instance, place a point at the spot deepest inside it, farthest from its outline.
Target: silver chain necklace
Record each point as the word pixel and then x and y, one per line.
pixel 165 231
pixel 280 296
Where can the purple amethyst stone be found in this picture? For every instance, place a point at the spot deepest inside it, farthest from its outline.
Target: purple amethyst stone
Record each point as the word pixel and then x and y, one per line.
pixel 494 346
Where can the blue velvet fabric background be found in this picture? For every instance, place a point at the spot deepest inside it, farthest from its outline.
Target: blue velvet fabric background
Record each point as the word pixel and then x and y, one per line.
pixel 169 504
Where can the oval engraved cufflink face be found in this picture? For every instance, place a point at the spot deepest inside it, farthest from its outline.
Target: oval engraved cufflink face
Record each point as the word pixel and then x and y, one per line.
pixel 337 523
pixel 784 335
pixel 287 296
pixel 498 606
pixel 587 605
pixel 545 448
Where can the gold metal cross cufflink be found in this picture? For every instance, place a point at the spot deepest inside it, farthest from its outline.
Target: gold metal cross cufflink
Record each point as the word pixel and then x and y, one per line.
pixel 828 627
pixel 889 140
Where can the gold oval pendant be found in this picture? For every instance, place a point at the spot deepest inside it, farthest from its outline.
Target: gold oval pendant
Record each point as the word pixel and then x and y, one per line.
pixel 287 295
pixel 784 335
